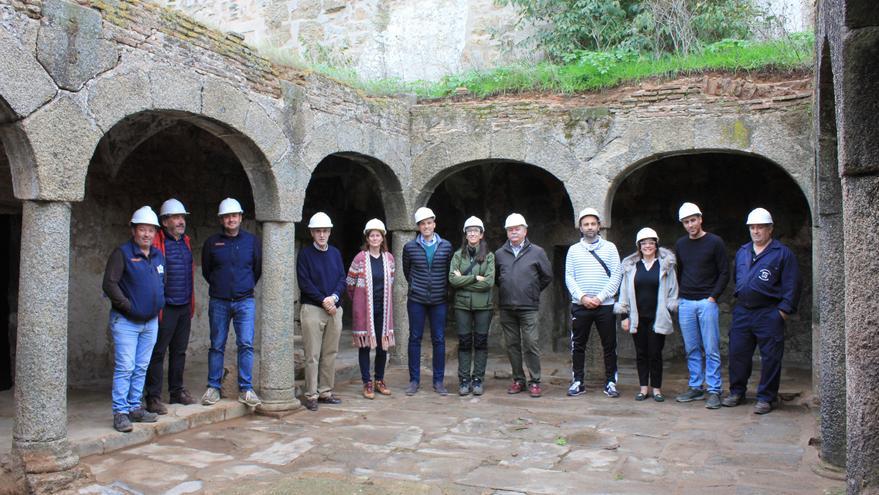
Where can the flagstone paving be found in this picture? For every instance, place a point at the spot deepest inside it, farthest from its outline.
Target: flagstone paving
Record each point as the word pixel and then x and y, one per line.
pixel 494 444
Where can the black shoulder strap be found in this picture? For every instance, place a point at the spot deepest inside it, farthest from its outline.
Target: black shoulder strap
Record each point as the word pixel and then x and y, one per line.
pixel 601 262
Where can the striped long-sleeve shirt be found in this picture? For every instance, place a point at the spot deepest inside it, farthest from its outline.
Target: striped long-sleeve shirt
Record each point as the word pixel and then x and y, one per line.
pixel 584 275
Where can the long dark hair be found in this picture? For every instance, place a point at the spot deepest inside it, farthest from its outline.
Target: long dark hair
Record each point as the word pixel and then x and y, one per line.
pixel 481 249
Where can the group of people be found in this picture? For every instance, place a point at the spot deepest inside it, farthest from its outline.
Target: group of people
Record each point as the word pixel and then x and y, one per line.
pixel 150 282
pixel 150 279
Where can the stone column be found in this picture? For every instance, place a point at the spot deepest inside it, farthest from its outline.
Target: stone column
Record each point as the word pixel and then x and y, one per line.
pixel 829 272
pixel 40 432
pixel 861 217
pixel 276 375
pixel 399 238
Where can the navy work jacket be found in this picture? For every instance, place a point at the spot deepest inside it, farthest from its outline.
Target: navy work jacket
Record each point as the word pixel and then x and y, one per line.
pixel 232 265
pixel 772 279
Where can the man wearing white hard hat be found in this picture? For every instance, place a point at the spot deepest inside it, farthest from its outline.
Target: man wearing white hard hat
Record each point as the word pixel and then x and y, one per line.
pixel 703 272
pixel 134 280
pixel 767 280
pixel 426 268
pixel 592 274
pixel 321 277
pixel 523 271
pixel 232 265
pixel 176 317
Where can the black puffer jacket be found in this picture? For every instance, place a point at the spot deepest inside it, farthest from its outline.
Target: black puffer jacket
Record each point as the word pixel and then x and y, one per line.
pixel 427 285
pixel 521 279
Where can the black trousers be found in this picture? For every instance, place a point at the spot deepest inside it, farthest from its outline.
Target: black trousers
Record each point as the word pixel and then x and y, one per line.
pixel 648 353
pixel 605 323
pixel 381 355
pixel 173 337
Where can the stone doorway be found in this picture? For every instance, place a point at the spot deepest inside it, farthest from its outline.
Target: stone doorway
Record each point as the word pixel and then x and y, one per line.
pixel 144 160
pixel 348 187
pixel 10 247
pixel 491 190
pixel 726 186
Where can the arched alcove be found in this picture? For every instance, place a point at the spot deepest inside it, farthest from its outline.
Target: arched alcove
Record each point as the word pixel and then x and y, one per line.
pixel 491 190
pixel 726 186
pixel 10 248
pixel 143 160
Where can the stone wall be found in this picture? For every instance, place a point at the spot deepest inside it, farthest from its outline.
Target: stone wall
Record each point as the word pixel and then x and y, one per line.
pixel 195 106
pixel 379 38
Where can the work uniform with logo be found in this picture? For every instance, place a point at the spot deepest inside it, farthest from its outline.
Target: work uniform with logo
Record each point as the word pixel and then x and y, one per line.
pixel 766 284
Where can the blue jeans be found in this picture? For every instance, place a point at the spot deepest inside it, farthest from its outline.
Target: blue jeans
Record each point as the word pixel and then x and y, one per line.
pixel 133 342
pixel 241 313
pixel 418 313
pixel 701 331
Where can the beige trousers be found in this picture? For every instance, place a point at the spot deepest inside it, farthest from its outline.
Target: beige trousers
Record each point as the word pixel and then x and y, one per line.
pixel 320 336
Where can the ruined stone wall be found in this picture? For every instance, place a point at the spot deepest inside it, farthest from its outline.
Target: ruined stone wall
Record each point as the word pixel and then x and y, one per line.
pixel 379 38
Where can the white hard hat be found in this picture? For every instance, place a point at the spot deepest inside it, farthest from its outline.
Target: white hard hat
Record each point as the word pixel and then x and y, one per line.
pixel 473 222
pixel 145 215
pixel 688 210
pixel 585 212
pixel 515 220
pixel 423 213
pixel 759 216
pixel 228 206
pixel 320 220
pixel 375 224
pixel 645 233
pixel 172 207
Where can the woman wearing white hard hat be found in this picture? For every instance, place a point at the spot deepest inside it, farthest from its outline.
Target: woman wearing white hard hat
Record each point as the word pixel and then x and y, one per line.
pixel 648 296
pixel 370 284
pixel 134 280
pixel 472 275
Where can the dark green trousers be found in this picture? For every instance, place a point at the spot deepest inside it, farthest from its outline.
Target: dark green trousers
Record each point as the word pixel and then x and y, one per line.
pixel 472 343
pixel 522 338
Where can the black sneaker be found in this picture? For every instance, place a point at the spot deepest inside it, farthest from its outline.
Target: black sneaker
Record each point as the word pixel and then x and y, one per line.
pixel 478 389
pixel 122 423
pixel 464 389
pixel 691 395
pixel 142 416
pixel 610 390
pixel 713 401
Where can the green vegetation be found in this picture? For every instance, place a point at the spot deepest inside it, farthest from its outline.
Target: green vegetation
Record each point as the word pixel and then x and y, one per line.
pixel 585 71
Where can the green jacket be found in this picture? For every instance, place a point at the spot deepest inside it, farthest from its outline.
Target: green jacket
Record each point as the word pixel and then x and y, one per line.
pixel 471 294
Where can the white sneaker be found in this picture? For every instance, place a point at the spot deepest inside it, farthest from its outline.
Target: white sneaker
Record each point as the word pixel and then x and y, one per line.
pixel 249 398
pixel 576 388
pixel 611 390
pixel 211 396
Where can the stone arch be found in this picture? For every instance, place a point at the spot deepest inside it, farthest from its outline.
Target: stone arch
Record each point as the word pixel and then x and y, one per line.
pixel 19 153
pixel 388 181
pixel 726 186
pixel 491 190
pixel 438 162
pixel 144 159
pixel 619 177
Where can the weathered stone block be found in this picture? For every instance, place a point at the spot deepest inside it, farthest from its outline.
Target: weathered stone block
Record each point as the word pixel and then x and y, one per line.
pixel 25 84
pixel 173 89
pixel 225 103
pixel 111 99
pixel 71 47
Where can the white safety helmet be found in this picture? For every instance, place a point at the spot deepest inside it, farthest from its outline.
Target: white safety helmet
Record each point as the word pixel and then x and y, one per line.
pixel 759 216
pixel 645 233
pixel 514 220
pixel 228 206
pixel 586 212
pixel 172 207
pixel 320 220
pixel 144 215
pixel 473 222
pixel 375 224
pixel 688 210
pixel 423 213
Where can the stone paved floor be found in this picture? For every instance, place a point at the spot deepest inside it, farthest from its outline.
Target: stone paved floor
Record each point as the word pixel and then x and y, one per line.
pixel 496 444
